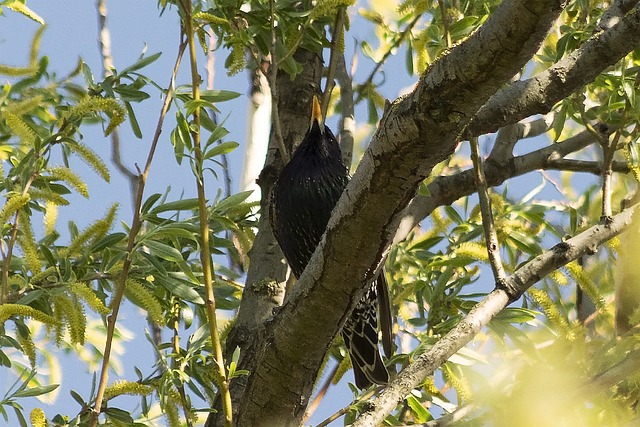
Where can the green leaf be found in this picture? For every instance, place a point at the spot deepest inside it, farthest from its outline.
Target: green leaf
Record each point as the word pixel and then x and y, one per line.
pixel 150 202
pixel 220 149
pixel 135 126
pixel 191 106
pixel 516 315
pixel 141 63
pixel 420 412
pixel 180 289
pixel 118 415
pixel 231 201
pixel 108 241
pixel 178 205
pixel 128 93
pixel 218 95
pixel 36 391
pixel 163 251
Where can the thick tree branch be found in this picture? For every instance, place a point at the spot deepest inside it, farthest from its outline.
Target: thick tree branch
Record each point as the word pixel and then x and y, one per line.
pixel 416 132
pixel 539 94
pixel 561 254
pixel 445 190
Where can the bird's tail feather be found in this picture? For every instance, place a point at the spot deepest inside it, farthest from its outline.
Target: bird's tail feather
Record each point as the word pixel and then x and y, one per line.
pixel 360 335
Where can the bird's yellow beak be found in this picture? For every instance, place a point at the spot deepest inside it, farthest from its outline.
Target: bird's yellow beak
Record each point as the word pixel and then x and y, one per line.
pixel 316 114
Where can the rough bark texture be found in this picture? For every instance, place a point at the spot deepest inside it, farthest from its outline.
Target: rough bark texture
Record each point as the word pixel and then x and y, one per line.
pixel 416 133
pixel 539 94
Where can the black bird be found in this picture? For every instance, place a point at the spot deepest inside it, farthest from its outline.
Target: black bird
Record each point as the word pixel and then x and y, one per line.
pixel 302 199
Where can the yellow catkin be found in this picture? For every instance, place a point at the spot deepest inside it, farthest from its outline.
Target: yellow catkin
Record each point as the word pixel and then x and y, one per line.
pixel 28 243
pixel 12 205
pixel 93 232
pixel 91 159
pixel 71 314
pixel 93 105
pixel 129 388
pixel 19 128
pixel 28 346
pixel 542 299
pixel 557 277
pixel 77 323
pixel 458 382
pixel 209 18
pixel 38 418
pixel 25 106
pixel 8 70
pixel 328 7
pixel 237 60
pixel 147 300
pixel 50 217
pixel 440 222
pixel 473 250
pixel 84 292
pixel 171 412
pixel 8 310
pixel 48 196
pixel 586 284
pixel 68 176
pixel 42 275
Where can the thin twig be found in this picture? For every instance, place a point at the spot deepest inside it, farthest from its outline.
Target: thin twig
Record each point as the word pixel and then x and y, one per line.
pixel 136 225
pixel 491 238
pixel 205 252
pixel 177 356
pixel 339 413
pixel 587 166
pixel 445 23
pixel 6 264
pixel 347 120
pixel 321 394
pixel 104 42
pixel 397 42
pixel 334 53
pixel 608 150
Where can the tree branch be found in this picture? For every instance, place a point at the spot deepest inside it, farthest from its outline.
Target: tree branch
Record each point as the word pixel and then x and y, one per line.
pixel 539 94
pixel 490 235
pixel 445 190
pixel 515 285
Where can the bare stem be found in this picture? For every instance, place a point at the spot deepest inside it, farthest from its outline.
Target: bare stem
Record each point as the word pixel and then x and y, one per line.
pixel 491 237
pixel 397 42
pixel 136 225
pixel 104 42
pixel 445 23
pixel 205 252
pixel 176 364
pixel 321 394
pixel 334 53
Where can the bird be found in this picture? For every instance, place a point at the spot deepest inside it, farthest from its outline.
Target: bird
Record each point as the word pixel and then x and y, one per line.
pixel 302 199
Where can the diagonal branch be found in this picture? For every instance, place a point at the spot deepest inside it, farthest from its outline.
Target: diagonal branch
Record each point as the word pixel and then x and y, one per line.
pixel 539 94
pixel 445 190
pixel 516 284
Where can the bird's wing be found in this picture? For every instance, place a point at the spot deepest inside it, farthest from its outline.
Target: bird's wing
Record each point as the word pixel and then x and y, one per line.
pixel 384 314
